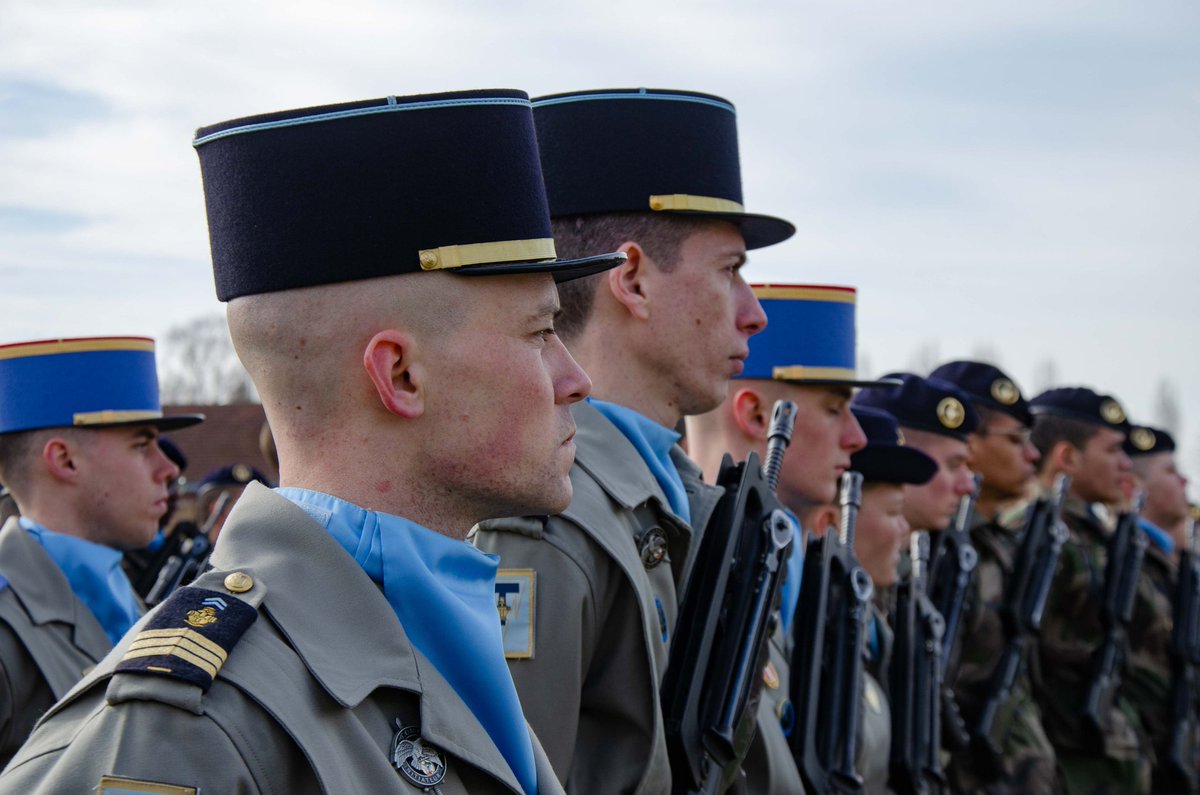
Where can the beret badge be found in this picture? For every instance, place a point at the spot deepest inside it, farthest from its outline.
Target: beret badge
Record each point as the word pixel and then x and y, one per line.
pixel 950 412
pixel 1111 412
pixel 1005 392
pixel 1142 438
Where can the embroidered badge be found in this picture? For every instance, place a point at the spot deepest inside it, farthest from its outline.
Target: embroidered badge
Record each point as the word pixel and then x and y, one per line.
pixel 653 547
pixel 116 785
pixel 662 619
pixel 1111 412
pixel 951 413
pixel 418 762
pixel 1005 392
pixel 514 605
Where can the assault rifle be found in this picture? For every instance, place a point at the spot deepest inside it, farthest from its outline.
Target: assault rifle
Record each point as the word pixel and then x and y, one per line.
pixel 951 570
pixel 1179 772
pixel 827 659
pixel 1024 600
pixel 713 679
pixel 916 682
pixel 187 552
pixel 1125 550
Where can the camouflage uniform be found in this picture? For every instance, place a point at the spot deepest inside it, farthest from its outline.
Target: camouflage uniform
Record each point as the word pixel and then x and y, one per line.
pixel 1027 762
pixel 1071 633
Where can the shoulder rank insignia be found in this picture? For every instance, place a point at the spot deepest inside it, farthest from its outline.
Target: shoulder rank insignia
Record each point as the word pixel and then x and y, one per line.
pixel 418 762
pixel 514 606
pixel 117 785
pixel 189 636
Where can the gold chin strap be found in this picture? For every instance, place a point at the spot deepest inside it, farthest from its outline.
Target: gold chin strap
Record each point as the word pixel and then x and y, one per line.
pixel 699 204
pixel 798 372
pixel 110 417
pixel 468 254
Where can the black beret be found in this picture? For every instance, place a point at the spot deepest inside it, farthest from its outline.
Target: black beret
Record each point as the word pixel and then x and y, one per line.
pixel 924 404
pixel 885 459
pixel 234 475
pixel 1083 405
pixel 1144 440
pixel 987 386
pixel 172 451
pixel 376 188
pixel 621 150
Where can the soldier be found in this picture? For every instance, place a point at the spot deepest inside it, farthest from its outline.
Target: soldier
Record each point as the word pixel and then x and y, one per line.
pixel 654 174
pixel 806 355
pixel 1079 432
pixel 79 420
pixel 889 468
pixel 1152 455
pixel 345 639
pixel 1001 452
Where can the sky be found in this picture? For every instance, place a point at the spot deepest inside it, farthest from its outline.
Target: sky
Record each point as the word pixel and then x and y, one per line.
pixel 1015 180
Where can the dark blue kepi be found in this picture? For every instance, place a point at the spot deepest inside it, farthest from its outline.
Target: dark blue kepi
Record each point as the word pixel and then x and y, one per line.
pixel 379 187
pixel 639 150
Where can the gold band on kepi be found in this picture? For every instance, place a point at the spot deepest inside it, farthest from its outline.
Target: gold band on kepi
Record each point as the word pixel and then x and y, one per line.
pixel 468 254
pixel 696 204
pixel 111 417
pixel 799 372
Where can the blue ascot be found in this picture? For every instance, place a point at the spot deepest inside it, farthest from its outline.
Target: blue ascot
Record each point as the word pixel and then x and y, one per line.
pixel 1157 535
pixel 795 570
pixel 654 444
pixel 95 574
pixel 444 593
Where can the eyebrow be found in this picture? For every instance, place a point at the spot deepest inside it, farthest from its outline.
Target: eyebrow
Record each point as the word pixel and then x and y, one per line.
pixel 145 433
pixel 551 309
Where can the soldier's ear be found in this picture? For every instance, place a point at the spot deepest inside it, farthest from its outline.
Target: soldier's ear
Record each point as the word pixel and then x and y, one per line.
pixel 58 455
pixel 625 281
pixel 751 412
pixel 1064 457
pixel 397 376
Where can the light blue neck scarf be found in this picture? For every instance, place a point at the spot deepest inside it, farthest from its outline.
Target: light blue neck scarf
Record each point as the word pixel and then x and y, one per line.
pixel 444 593
pixel 795 570
pixel 95 574
pixel 1157 535
pixel 654 444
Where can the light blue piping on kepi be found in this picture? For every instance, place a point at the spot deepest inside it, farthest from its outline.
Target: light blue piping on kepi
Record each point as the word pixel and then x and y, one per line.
pixel 642 94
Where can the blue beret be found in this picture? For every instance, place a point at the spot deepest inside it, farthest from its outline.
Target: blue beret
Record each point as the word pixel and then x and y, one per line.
pixel 1144 440
pixel 172 451
pixel 642 150
pixel 92 382
pixel 1082 405
pixel 886 459
pixel 809 338
pixel 925 405
pixel 376 188
pixel 987 386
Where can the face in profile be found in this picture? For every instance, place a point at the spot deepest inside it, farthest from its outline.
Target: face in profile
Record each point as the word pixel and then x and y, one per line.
pixel 1097 471
pixel 123 479
pixel 882 531
pixel 826 433
pixel 1003 455
pixel 932 505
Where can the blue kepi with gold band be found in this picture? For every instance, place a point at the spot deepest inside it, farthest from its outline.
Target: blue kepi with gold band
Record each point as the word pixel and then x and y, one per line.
pixel 647 150
pixel 88 382
pixel 809 338
pixel 441 182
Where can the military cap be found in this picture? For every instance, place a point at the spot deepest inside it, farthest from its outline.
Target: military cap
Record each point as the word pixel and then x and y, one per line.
pixel 809 338
pixel 924 404
pixel 1081 404
pixel 172 451
pixel 92 382
pixel 1144 440
pixel 647 150
pixel 886 459
pixel 233 475
pixel 379 187
pixel 988 386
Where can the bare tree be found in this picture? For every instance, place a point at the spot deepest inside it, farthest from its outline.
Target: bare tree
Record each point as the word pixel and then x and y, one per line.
pixel 985 351
pixel 197 365
pixel 924 358
pixel 1167 411
pixel 1045 376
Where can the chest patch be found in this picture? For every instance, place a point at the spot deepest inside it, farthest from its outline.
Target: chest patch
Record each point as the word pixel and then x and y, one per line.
pixel 419 762
pixel 515 608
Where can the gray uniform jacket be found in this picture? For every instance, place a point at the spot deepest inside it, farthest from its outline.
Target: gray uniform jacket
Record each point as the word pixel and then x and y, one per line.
pixel 604 608
pixel 310 698
pixel 48 638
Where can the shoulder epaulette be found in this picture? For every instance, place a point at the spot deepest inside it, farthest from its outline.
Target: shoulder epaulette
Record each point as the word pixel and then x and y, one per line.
pixel 531 526
pixel 189 636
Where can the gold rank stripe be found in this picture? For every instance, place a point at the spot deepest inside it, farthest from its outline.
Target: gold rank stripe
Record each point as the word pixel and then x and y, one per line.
pixel 698 204
pixel 22 350
pixel 110 416
pixel 798 372
pixel 842 295
pixel 182 643
pixel 468 254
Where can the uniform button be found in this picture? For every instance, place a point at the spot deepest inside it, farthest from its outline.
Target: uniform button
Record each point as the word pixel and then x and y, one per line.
pixel 238 582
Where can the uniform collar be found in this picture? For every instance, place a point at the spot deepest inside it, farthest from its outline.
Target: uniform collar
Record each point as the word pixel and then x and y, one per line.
pixel 321 601
pixel 44 591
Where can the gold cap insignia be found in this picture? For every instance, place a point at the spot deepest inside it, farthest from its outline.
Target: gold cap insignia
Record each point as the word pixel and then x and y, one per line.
pixel 242 473
pixel 1111 412
pixel 900 437
pixel 202 617
pixel 950 412
pixel 1142 438
pixel 238 582
pixel 1005 392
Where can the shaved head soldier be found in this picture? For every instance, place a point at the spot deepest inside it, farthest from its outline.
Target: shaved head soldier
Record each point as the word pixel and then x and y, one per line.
pixel 391 284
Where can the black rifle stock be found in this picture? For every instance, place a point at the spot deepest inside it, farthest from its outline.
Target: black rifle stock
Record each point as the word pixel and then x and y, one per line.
pixel 916 672
pixel 713 677
pixel 1179 772
pixel 1126 548
pixel 826 663
pixel 189 557
pixel 1021 609
pixel 951 570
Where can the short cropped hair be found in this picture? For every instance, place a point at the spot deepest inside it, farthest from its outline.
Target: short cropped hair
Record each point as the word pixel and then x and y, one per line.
pixel 15 450
pixel 659 235
pixel 1050 429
